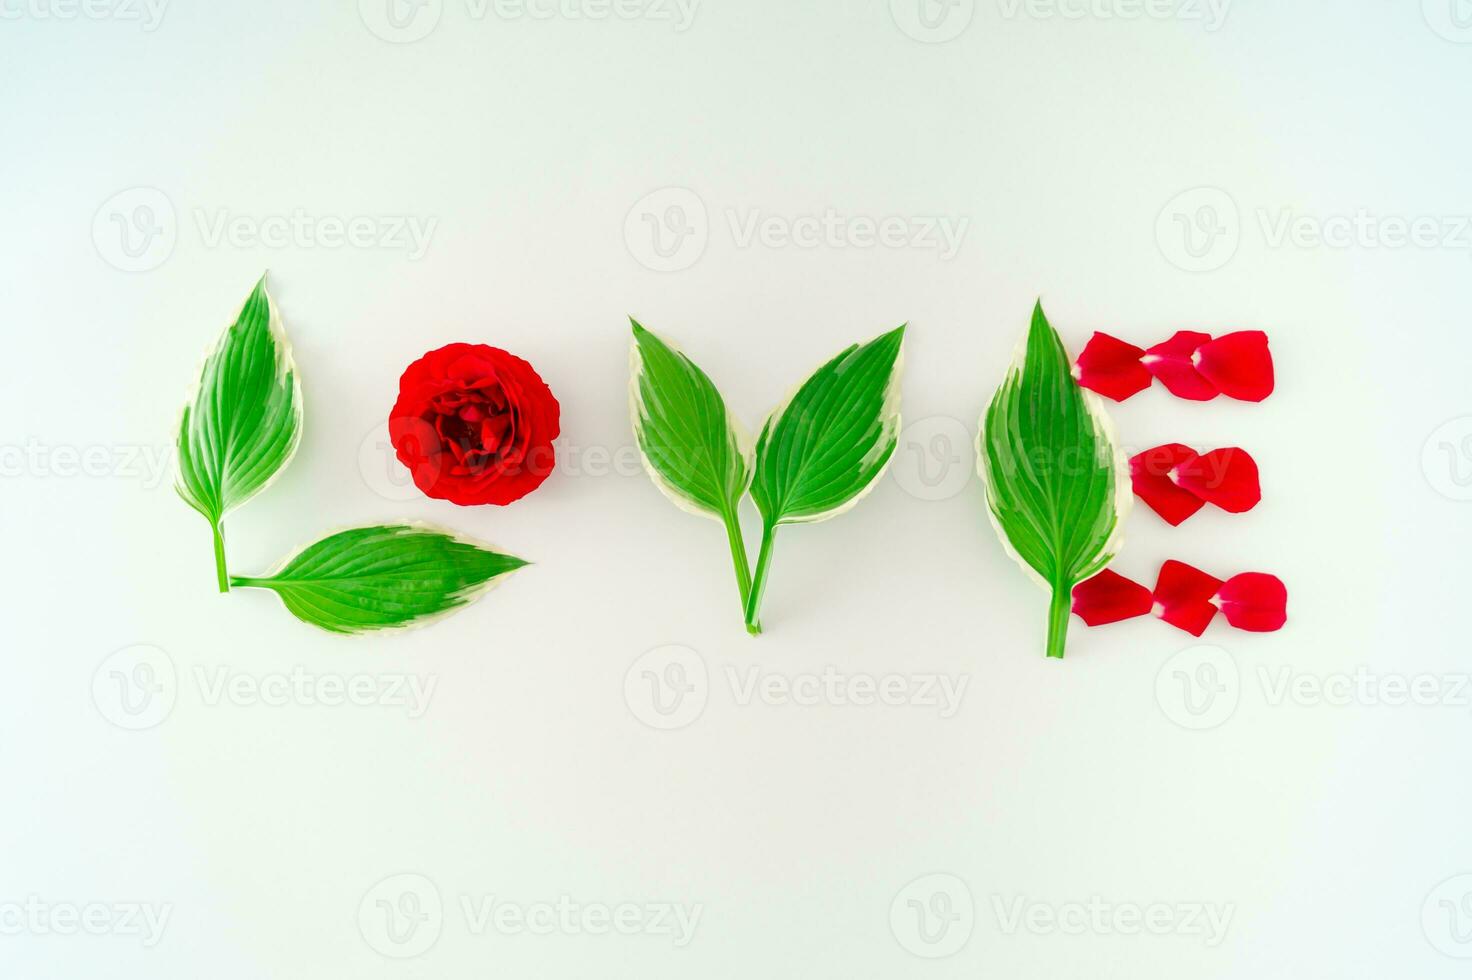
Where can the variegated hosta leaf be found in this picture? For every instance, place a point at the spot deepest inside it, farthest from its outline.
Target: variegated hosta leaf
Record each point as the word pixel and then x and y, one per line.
pixel 829 444
pixel 244 420
pixel 1056 483
pixel 383 577
pixel 691 445
pixel 826 447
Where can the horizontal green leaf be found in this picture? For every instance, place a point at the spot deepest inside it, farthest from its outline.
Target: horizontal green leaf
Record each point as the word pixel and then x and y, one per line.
pixel 244 418
pixel 691 446
pixel 828 445
pixel 383 577
pixel 1056 484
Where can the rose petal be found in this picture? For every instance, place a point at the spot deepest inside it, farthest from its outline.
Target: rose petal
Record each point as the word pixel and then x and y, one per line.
pixel 1150 474
pixel 1254 601
pixel 1109 598
pixel 1239 365
pixel 1111 367
pixel 493 430
pixel 1183 597
pixel 1224 477
pixel 474 368
pixel 1171 362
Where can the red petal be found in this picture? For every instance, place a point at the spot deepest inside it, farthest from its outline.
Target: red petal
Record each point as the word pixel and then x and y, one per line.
pixel 1150 472
pixel 1183 597
pixel 1254 601
pixel 1171 362
pixel 1238 364
pixel 1109 598
pixel 1224 477
pixel 1111 367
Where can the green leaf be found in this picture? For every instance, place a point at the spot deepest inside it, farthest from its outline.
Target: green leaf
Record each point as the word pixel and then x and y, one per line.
pixel 1057 487
pixel 692 447
pixel 829 444
pixel 383 577
pixel 243 421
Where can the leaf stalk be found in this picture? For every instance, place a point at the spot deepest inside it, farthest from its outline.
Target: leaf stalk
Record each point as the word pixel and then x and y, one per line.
pixel 738 556
pixel 222 577
pixel 1058 612
pixel 759 580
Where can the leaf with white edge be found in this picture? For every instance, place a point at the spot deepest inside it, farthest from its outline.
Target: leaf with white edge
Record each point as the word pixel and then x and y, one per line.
pixel 691 446
pixel 243 421
pixel 383 577
pixel 693 449
pixel 1057 486
pixel 828 445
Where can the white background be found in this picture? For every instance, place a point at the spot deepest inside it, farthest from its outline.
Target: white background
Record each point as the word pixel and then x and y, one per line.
pixel 1068 139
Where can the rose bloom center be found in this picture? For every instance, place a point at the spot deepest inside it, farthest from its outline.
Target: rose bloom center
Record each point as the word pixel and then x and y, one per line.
pixel 476 425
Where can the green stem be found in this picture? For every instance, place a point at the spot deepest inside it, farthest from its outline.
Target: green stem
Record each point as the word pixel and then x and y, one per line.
pixel 221 576
pixel 1058 612
pixel 759 581
pixel 738 554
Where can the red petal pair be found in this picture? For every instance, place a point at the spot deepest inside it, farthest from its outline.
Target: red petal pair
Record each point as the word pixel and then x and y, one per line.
pixel 1187 598
pixel 1176 481
pixel 1190 364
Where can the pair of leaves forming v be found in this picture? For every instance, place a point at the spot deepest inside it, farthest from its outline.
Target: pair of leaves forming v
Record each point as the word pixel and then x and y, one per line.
pixel 817 455
pixel 241 427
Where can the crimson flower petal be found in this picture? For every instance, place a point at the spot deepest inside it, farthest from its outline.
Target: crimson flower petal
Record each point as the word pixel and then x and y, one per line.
pixel 1111 367
pixel 1109 598
pixel 1151 474
pixel 1239 365
pixel 1224 477
pixel 1183 597
pixel 1172 362
pixel 1254 601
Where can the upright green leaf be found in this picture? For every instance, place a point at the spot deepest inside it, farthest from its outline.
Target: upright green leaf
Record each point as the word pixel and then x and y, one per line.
pixel 692 448
pixel 827 446
pixel 1057 487
pixel 243 421
pixel 383 577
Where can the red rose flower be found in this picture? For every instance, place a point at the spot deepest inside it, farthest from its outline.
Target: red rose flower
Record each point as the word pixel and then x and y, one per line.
pixel 474 425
